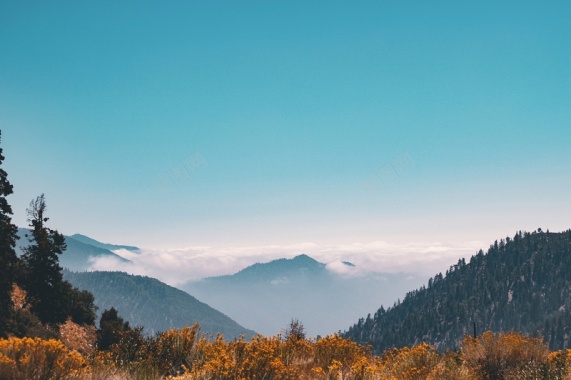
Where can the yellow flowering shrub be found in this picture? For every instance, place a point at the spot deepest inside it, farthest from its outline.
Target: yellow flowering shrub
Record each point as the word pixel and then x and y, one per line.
pixel 335 357
pixel 451 367
pixel 180 354
pixel 37 359
pixel 504 355
pixel 213 360
pixel 414 363
pixel 170 351
pixel 262 358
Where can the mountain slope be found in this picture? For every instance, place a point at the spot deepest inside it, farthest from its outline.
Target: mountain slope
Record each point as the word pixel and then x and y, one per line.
pixel 301 265
pixel 521 284
pixel 78 254
pixel 111 247
pixel 145 301
pixel 266 296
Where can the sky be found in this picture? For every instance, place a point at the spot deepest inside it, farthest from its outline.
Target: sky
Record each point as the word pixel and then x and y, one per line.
pixel 242 126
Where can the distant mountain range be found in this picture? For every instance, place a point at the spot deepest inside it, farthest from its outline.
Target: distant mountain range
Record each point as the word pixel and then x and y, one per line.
pixel 111 247
pixel 266 296
pixel 80 250
pixel 145 301
pixel 521 284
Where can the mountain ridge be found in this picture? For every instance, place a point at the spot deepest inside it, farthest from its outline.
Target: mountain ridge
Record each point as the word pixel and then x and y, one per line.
pixel 77 255
pixel 522 284
pixel 268 295
pixel 298 264
pixel 96 243
pixel 148 302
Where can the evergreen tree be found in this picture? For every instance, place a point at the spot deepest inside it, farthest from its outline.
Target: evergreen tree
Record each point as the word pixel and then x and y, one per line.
pixel 111 326
pixel 8 258
pixel 81 305
pixel 46 290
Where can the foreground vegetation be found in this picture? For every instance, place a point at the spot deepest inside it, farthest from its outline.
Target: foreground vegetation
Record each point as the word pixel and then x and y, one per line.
pixel 184 354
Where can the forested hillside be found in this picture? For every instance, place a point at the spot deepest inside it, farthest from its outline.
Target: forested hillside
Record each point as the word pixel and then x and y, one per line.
pixel 521 284
pixel 145 301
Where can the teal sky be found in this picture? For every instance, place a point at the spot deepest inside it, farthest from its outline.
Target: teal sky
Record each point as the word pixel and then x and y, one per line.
pixel 169 124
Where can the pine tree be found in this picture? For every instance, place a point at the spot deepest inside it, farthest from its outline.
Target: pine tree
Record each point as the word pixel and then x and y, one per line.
pixel 8 258
pixel 111 325
pixel 82 306
pixel 46 290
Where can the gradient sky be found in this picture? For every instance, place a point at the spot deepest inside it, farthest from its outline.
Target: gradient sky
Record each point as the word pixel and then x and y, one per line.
pixel 296 121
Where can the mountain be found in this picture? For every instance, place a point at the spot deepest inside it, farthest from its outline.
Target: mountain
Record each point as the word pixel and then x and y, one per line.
pixel 145 301
pixel 301 266
pixel 266 296
pixel 110 247
pixel 521 284
pixel 80 250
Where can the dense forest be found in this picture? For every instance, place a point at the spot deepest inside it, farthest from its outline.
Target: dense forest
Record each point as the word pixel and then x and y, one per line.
pixel 521 284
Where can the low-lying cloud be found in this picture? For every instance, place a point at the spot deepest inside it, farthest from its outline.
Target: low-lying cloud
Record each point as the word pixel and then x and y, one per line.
pixel 177 266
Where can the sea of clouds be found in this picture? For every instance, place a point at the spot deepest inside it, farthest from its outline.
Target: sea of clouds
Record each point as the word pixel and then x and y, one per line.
pixel 178 266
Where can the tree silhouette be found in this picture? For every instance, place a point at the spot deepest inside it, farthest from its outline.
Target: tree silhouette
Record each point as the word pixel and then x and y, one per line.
pixel 43 279
pixel 81 305
pixel 111 325
pixel 8 258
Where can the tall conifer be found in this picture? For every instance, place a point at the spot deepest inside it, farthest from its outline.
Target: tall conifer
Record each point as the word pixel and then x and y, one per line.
pixel 8 258
pixel 46 290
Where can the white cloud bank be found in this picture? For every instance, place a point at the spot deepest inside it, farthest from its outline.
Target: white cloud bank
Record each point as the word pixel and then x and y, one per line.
pixel 177 266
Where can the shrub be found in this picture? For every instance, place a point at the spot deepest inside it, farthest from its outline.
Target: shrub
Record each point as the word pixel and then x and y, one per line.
pixel 413 363
pixel 213 359
pixel 262 358
pixel 78 338
pixel 170 352
pixel 336 357
pixel 505 356
pixel 451 367
pixel 37 359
